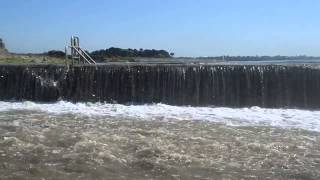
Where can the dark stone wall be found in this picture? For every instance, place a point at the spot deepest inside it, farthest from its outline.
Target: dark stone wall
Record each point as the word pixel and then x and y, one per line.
pixel 220 85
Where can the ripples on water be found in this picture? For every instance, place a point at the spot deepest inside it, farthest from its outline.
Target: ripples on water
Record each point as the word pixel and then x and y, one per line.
pixel 105 141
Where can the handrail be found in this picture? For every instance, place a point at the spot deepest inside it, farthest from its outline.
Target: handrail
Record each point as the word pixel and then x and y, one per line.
pixel 88 56
pixel 79 52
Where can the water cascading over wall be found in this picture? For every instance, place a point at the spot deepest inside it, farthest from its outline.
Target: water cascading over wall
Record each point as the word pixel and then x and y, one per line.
pixel 219 85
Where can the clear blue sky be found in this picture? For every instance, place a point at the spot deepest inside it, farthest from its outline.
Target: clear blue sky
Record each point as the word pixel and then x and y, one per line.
pixel 186 27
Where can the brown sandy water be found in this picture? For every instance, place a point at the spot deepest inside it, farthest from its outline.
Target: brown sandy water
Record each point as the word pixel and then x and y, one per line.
pixel 41 145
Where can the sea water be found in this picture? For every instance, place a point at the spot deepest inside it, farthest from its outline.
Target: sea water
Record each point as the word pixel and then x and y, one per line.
pixel 67 140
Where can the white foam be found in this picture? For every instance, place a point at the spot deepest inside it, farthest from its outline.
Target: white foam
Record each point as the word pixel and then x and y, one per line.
pixel 255 116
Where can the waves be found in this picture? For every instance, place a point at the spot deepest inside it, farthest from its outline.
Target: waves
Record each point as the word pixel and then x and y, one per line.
pixel 254 116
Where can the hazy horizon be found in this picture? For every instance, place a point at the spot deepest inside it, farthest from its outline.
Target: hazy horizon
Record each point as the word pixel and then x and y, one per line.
pixel 187 28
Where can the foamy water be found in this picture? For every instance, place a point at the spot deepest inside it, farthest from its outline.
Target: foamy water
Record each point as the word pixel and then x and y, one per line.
pixel 255 116
pixel 84 141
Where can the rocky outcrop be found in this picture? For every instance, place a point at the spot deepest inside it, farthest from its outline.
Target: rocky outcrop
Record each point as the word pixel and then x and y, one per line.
pixel 2 45
pixel 219 85
pixel 3 50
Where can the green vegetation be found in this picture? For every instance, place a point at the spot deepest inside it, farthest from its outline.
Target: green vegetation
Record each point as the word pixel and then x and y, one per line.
pixel 56 54
pixel 108 55
pixel 50 57
pixel 128 54
pixel 25 59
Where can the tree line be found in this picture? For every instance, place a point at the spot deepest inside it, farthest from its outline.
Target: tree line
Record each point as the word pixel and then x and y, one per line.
pixel 101 55
pixel 118 52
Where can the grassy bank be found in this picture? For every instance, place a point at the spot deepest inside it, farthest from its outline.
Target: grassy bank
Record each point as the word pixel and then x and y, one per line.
pixel 24 59
pixel 27 59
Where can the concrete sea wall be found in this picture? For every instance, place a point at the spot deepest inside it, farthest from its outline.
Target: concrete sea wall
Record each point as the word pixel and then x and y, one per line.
pixel 198 85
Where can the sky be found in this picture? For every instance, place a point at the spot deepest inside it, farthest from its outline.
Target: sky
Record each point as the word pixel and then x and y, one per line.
pixel 185 27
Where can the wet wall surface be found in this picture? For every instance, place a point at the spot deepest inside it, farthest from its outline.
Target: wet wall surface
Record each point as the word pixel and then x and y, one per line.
pixel 175 84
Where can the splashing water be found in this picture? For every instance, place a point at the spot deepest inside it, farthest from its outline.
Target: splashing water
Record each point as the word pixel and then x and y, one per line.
pixel 255 116
pixel 64 140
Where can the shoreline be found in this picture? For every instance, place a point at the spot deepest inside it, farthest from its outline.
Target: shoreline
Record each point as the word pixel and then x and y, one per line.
pixel 315 65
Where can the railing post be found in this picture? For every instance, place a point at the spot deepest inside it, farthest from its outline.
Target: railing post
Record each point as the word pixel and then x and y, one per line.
pixel 66 53
pixel 78 53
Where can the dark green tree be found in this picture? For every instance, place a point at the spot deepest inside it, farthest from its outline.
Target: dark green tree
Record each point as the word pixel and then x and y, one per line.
pixel 56 54
pixel 112 52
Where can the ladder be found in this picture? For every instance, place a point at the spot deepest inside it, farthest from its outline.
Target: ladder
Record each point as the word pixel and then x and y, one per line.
pixel 78 53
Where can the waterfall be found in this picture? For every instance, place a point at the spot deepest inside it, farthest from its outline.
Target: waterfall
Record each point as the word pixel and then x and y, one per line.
pixel 197 85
